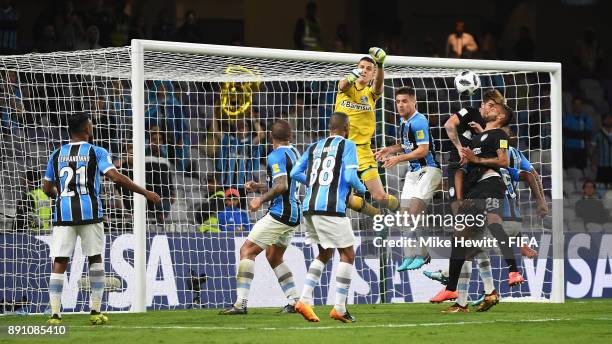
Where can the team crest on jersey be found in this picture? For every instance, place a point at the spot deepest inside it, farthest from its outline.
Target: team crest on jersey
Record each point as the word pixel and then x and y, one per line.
pixel 364 99
pixel 484 137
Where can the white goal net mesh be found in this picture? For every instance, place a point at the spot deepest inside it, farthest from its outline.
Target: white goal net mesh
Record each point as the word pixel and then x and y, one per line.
pixel 206 121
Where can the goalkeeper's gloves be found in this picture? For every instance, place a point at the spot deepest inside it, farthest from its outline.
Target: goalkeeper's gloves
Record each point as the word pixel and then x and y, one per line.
pixel 378 55
pixel 354 75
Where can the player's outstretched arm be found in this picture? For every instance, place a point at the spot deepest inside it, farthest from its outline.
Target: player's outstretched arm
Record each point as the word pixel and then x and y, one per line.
pixel 534 181
pixel 280 185
pixel 379 56
pixel 418 153
pixel 381 154
pixel 350 79
pixel 127 183
pixel 451 131
pixel 351 178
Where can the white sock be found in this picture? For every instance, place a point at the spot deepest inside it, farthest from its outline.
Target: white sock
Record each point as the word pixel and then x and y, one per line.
pixel 313 276
pixel 96 282
pixel 285 279
pixel 343 282
pixel 464 283
pixel 246 269
pixel 56 284
pixel 484 267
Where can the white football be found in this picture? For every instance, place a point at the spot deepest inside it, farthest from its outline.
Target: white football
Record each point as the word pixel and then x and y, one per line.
pixel 467 82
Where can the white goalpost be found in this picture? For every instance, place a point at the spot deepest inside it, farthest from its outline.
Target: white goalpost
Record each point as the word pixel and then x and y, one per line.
pixel 190 121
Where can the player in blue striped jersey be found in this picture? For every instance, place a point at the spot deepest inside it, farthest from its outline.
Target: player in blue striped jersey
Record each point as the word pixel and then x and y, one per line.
pixel 416 145
pixel 520 169
pixel 73 179
pixel 329 169
pixel 273 232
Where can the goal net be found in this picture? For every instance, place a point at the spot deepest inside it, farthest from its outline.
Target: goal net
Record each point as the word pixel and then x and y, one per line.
pixel 195 134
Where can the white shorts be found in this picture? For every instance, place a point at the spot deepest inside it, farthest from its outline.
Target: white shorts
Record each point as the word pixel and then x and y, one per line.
pixel 63 239
pixel 329 231
pixel 422 184
pixel 269 231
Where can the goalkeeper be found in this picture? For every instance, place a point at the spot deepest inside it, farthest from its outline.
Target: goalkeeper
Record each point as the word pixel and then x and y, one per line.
pixel 357 96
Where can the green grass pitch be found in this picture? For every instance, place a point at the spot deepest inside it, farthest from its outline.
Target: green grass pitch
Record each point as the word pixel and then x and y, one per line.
pixel 588 321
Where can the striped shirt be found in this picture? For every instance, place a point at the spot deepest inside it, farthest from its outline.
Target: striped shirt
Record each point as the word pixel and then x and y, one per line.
pixel 76 169
pixel 415 132
pixel 285 207
pixel 603 143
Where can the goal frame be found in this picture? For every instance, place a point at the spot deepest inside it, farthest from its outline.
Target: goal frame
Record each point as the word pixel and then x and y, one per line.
pixel 140 47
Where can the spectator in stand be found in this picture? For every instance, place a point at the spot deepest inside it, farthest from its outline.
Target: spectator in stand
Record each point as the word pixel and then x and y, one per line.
pixel 138 30
pixel 590 208
pixel 48 41
pixel 9 24
pixel 307 33
pixel 190 31
pixel 233 218
pixel 34 207
pixel 239 149
pixel 577 128
pixel 91 39
pixel 206 212
pixel 342 43
pixel 488 45
pixel 156 146
pixel 126 167
pixel 100 17
pixel 460 44
pixel 589 53
pixel 69 26
pixel 104 120
pixel 601 153
pixel 159 178
pixel 524 49
pixel 165 29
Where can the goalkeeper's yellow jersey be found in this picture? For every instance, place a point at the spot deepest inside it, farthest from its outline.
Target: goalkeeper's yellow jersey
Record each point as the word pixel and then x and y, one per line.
pixel 359 105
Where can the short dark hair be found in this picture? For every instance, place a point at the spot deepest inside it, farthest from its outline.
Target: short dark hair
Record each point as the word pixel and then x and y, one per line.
pixel 588 181
pixel 407 90
pixel 281 130
pixel 367 58
pixel 338 121
pixel 77 122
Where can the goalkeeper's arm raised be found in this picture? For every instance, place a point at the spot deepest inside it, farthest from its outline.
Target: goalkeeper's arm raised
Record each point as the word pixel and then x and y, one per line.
pixel 379 56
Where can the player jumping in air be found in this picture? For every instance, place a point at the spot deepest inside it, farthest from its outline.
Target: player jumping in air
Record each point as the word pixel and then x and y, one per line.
pixel 357 96
pixel 484 193
pixel 424 176
pixel 73 179
pixel 273 232
pixel 329 169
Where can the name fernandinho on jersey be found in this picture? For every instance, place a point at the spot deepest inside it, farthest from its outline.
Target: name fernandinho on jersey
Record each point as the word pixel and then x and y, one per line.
pixel 74 158
pixel 354 106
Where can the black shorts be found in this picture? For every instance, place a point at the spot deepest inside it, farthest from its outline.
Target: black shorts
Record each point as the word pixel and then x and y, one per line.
pixel 487 195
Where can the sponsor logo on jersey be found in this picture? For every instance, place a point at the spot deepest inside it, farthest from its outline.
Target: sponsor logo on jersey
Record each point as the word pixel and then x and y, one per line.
pixel 275 168
pixel 503 143
pixel 462 112
pixel 477 150
pixel 484 137
pixel 467 134
pixel 359 107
